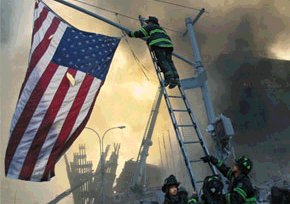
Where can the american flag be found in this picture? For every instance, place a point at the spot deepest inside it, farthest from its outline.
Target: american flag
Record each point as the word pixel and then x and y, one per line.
pixel 67 68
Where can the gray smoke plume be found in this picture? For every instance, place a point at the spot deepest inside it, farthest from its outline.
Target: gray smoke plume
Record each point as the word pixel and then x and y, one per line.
pixel 257 27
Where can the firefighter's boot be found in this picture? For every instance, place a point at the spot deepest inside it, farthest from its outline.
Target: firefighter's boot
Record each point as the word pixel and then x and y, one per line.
pixel 174 81
pixel 168 76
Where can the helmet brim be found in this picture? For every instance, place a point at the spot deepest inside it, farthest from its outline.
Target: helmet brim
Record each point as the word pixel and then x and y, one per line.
pixel 150 21
pixel 164 187
pixel 242 168
pixel 147 20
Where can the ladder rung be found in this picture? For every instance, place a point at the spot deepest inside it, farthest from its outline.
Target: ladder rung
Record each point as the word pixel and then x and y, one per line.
pixel 179 110
pixel 175 96
pixel 194 161
pixel 185 125
pixel 191 142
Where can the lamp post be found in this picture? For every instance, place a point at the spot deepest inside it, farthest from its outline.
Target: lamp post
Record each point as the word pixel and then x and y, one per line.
pixel 101 142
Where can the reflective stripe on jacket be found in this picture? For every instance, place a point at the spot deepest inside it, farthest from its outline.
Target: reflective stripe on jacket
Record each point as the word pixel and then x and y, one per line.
pixel 156 35
pixel 241 190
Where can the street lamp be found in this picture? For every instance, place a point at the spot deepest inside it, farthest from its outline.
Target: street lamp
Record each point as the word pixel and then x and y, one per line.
pixel 101 142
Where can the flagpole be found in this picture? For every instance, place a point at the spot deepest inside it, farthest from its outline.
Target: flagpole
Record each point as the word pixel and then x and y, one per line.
pixel 117 25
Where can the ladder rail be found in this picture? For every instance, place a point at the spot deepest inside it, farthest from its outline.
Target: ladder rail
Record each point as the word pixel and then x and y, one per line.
pixel 180 139
pixel 174 121
pixel 198 131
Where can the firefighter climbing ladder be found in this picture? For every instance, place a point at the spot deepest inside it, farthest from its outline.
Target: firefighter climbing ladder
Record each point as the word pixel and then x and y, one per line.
pixel 180 138
pixel 193 124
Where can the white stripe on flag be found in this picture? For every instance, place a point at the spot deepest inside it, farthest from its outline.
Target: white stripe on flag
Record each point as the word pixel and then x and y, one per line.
pixel 83 112
pixel 39 35
pixel 36 74
pixel 56 127
pixel 38 11
pixel 30 132
pixel 87 104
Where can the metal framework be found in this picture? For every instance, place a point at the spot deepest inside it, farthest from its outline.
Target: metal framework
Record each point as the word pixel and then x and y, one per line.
pixel 220 127
pixel 84 182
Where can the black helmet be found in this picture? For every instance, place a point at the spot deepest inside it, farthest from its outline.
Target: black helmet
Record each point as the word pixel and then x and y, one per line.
pixel 169 181
pixel 152 19
pixel 213 185
pixel 245 164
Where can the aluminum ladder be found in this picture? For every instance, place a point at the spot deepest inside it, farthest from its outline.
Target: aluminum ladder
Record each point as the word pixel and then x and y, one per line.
pixel 182 143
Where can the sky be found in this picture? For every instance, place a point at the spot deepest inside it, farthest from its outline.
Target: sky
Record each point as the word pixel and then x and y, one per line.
pixel 127 96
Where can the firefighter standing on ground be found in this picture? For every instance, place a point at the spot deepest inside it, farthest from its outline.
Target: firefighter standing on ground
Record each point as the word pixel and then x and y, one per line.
pixel 241 190
pixel 161 44
pixel 212 190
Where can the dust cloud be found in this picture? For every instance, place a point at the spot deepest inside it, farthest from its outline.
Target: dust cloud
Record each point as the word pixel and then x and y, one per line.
pixel 127 96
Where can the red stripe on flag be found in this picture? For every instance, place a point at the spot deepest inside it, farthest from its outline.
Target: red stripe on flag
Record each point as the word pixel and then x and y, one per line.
pixel 36 5
pixel 36 21
pixel 73 138
pixel 27 113
pixel 68 124
pixel 39 21
pixel 82 126
pixel 47 122
pixel 39 51
pixel 78 130
pixel 42 47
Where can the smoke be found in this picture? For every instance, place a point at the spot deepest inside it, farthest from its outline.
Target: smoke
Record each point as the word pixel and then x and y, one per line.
pixel 260 23
pixel 251 34
pixel 257 25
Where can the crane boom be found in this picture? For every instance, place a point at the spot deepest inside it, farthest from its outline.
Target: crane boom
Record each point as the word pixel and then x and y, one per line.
pixel 147 141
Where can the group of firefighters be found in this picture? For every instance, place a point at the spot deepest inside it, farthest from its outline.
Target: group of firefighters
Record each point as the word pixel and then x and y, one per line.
pixel 240 189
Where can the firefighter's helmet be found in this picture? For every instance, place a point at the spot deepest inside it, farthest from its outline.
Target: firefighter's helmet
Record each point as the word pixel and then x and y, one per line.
pixel 245 164
pixel 170 181
pixel 213 185
pixel 152 19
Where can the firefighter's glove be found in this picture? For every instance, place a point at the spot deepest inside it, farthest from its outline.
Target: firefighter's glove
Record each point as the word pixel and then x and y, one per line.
pixel 129 34
pixel 206 159
pixel 210 159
